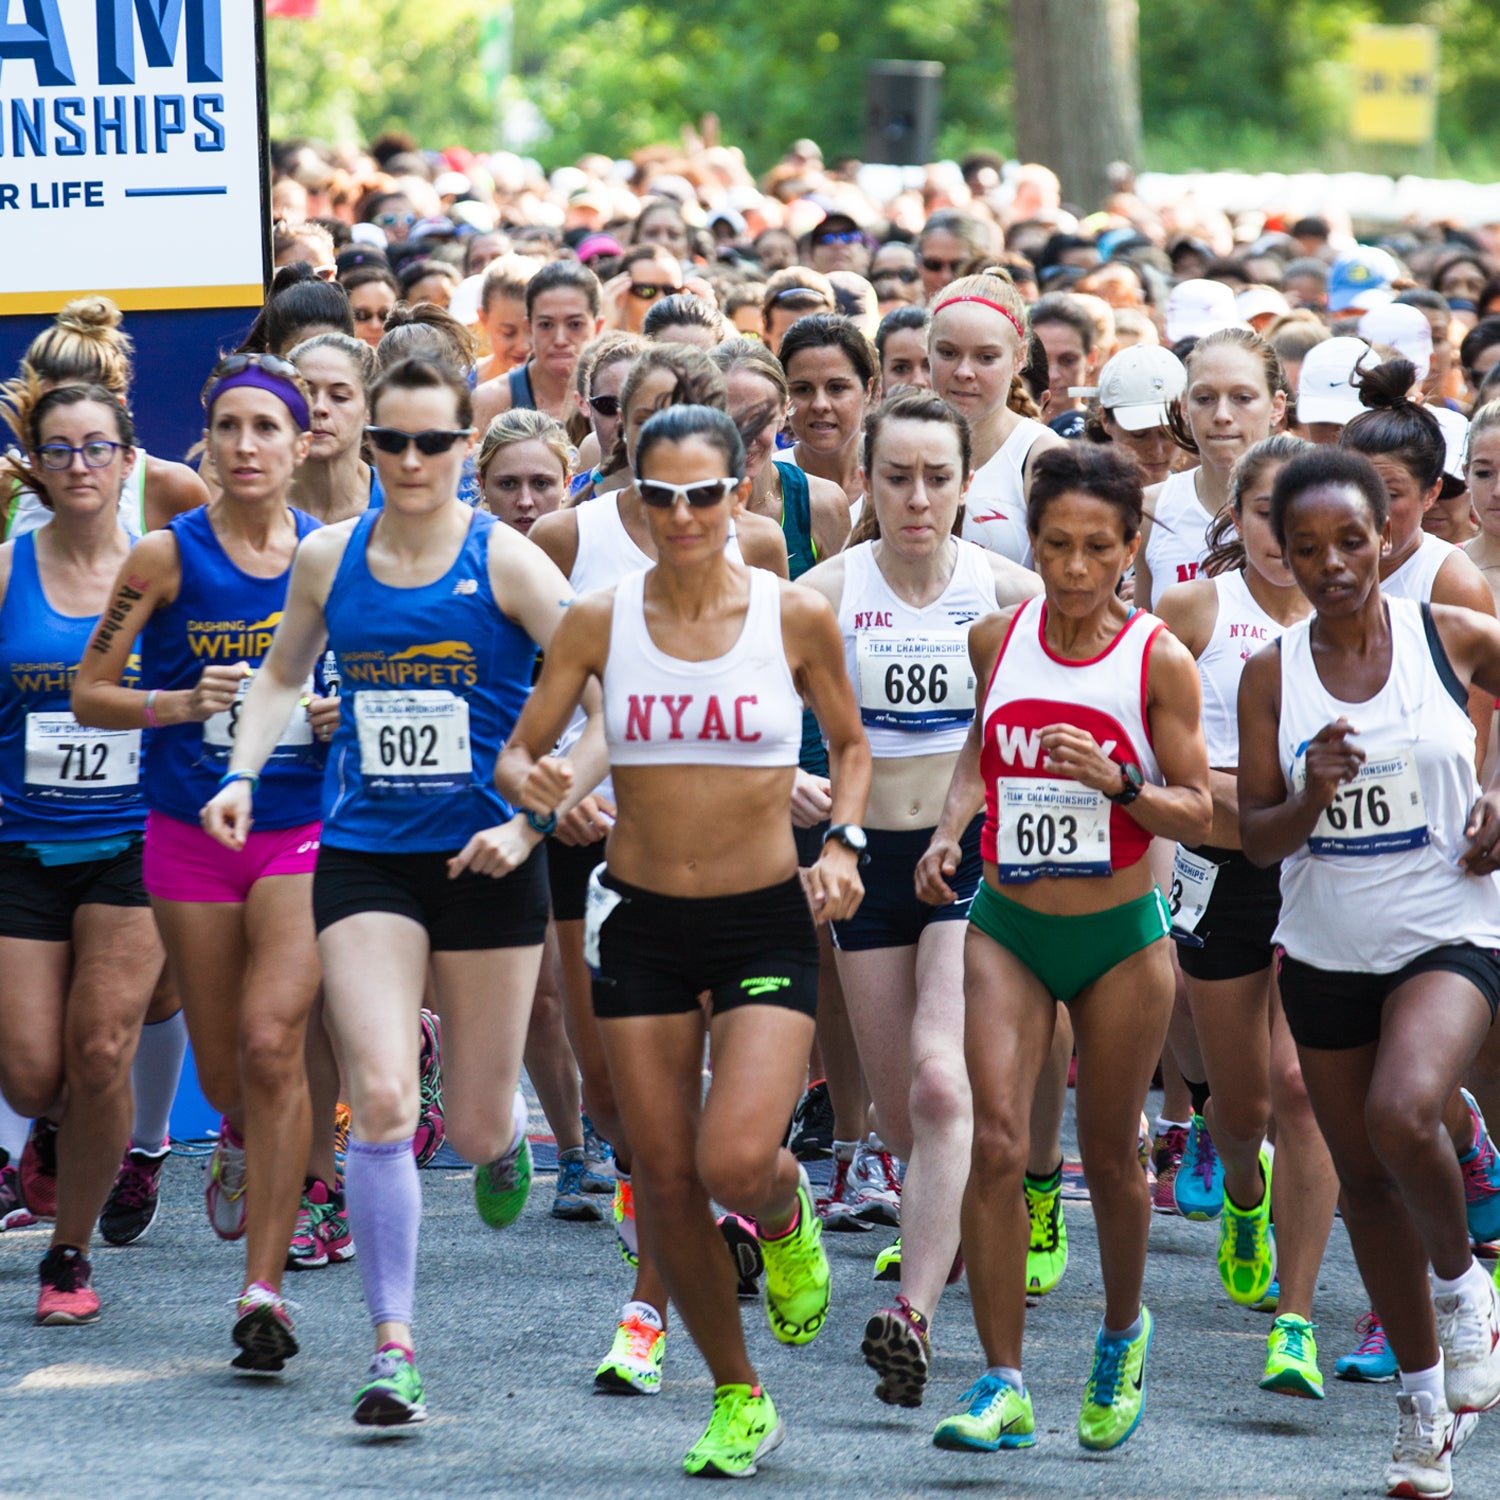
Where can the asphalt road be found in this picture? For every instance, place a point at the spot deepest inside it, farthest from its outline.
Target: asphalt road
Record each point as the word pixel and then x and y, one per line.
pixel 510 1327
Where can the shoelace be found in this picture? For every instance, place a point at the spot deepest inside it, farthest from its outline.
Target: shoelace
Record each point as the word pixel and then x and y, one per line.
pixel 260 1296
pixel 838 1187
pixel 1109 1358
pixel 728 1406
pixel 387 1364
pixel 230 1170
pixel 1043 1221
pixel 570 1176
pixel 1294 1338
pixel 1416 1431
pixel 1461 1328
pixel 888 1172
pixel 1480 1173
pixel 135 1187
pixel 1373 1339
pixel 1206 1160
pixel 65 1273
pixel 639 1338
pixel 981 1396
pixel 1247 1239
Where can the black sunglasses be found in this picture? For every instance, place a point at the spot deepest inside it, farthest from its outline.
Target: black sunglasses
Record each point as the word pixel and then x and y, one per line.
pixel 908 274
pixel 936 265
pixel 660 495
pixel 432 442
pixel 606 406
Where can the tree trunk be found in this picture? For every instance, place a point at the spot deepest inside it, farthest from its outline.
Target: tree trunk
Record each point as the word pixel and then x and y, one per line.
pixel 1077 86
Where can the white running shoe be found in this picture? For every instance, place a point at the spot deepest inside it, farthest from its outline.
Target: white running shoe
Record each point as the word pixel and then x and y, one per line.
pixel 836 1207
pixel 1427 1437
pixel 874 1186
pixel 225 1193
pixel 1468 1330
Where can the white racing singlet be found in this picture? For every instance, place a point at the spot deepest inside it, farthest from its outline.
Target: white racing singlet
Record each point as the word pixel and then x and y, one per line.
pixel 909 666
pixel 1378 882
pixel 995 506
pixel 1179 535
pixel 1415 577
pixel 1241 628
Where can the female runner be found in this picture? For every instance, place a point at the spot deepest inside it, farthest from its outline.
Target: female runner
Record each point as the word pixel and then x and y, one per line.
pixel 425 864
pixel 1086 746
pixel 833 378
pixel 701 892
pixel 204 595
pixel 597 543
pixel 79 954
pixel 1357 774
pixel 905 595
pixel 1224 911
pixel 975 344
pixel 336 483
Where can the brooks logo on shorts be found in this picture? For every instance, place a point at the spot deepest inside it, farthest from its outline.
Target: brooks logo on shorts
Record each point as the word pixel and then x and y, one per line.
pixel 766 984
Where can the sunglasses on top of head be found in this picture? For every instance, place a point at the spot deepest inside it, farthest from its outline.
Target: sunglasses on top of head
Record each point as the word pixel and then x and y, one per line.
pixel 433 441
pixel 700 495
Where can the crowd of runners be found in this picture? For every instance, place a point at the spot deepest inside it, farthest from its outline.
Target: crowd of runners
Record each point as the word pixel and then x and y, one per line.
pixel 895 662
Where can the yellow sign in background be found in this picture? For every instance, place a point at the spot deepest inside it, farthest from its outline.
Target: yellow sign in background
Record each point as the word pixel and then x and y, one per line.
pixel 1395 84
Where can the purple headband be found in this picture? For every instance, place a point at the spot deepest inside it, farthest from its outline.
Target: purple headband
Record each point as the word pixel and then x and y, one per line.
pixel 263 380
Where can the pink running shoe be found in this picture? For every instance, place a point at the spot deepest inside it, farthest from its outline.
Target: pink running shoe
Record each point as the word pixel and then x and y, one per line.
pixel 66 1297
pixel 39 1169
pixel 1166 1155
pixel 429 1137
pixel 13 1211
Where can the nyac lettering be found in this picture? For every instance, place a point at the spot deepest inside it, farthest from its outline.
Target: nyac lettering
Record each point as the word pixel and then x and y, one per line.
pixel 705 723
pixel 1187 572
pixel 1248 632
pixel 873 619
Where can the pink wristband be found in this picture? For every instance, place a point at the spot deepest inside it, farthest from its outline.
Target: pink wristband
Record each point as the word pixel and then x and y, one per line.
pixel 152 721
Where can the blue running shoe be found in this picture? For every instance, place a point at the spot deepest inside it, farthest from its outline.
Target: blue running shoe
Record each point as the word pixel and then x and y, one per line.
pixel 1372 1360
pixel 1198 1188
pixel 1481 1169
pixel 572 1199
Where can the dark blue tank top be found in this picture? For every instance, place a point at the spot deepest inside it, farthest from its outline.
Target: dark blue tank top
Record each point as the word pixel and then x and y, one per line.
pixel 432 681
pixel 222 615
pixel 801 557
pixel 58 781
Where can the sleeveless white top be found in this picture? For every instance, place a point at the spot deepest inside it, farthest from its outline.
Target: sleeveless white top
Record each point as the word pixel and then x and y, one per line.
pixel 739 709
pixel 1377 884
pixel 995 507
pixel 1415 577
pixel 910 667
pixel 1241 628
pixel 1179 535
pixel 29 514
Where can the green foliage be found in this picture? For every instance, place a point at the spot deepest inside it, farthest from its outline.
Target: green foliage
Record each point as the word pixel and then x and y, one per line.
pixel 1254 84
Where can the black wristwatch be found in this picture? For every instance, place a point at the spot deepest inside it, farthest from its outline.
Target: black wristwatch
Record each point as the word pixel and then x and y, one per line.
pixel 1131 782
pixel 852 837
pixel 539 824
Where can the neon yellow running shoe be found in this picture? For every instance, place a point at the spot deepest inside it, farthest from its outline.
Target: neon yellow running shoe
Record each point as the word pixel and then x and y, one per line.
pixel 797 1277
pixel 888 1262
pixel 1247 1248
pixel 1115 1395
pixel 626 1235
pixel 1047 1255
pixel 743 1429
pixel 633 1364
pixel 993 1415
pixel 1292 1359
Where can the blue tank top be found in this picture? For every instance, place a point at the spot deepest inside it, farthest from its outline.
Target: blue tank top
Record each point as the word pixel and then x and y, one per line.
pixel 431 682
pixel 58 781
pixel 377 490
pixel 801 557
pixel 222 615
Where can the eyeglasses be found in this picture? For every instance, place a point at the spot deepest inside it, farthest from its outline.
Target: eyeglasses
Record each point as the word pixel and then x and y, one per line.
pixel 272 364
pixel 96 455
pixel 433 441
pixel 371 314
pixel 646 291
pixel 606 406
pixel 390 221
pixel 660 495
pixel 839 237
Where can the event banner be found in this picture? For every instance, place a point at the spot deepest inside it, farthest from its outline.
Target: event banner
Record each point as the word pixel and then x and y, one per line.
pixel 132 154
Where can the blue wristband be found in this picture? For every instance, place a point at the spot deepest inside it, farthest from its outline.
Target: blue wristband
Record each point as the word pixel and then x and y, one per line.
pixel 230 777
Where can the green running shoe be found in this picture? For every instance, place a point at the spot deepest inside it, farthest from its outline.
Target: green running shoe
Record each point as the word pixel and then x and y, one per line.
pixel 743 1429
pixel 994 1415
pixel 888 1262
pixel 1247 1248
pixel 1047 1255
pixel 393 1395
pixel 797 1278
pixel 502 1186
pixel 1115 1395
pixel 633 1364
pixel 1292 1359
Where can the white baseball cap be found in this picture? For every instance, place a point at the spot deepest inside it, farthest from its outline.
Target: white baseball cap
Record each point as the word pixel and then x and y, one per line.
pixel 1456 441
pixel 1325 388
pixel 1197 308
pixel 1138 385
pixel 1405 329
pixel 1260 301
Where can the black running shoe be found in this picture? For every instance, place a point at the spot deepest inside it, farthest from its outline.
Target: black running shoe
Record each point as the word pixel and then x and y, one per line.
pixel 131 1207
pixel 811 1135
